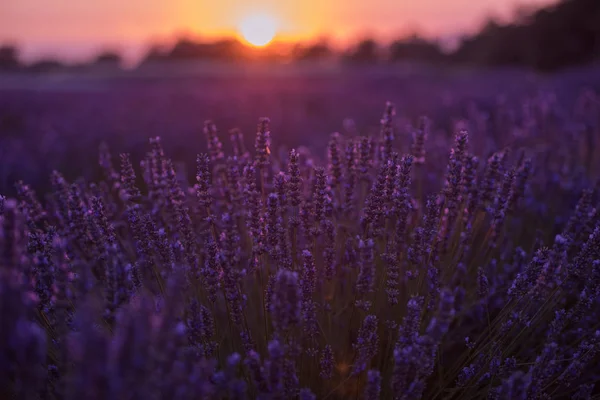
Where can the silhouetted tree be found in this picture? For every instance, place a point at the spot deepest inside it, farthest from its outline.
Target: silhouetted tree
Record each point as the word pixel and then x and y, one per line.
pixel 109 58
pixel 415 49
pixel 46 66
pixel 222 50
pixel 314 52
pixel 367 51
pixel 567 33
pixel 9 58
pixel 564 34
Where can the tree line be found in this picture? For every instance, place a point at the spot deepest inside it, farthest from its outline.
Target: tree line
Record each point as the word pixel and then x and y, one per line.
pixel 558 36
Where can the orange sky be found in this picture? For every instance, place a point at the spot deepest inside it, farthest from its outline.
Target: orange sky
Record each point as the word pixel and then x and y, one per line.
pixel 77 28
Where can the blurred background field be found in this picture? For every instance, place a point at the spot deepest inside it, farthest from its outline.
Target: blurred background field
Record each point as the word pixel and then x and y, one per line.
pixel 58 121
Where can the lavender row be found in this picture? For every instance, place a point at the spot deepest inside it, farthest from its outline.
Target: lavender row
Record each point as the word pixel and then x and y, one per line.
pixel 281 277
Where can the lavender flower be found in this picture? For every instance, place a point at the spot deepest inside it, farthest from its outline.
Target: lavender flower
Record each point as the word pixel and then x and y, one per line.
pixel 307 284
pixel 203 178
pixel 466 375
pixel 455 168
pixel 326 363
pixel 104 228
pixel 280 186
pixel 128 180
pixel 502 202
pixel 373 387
pixel 525 280
pixel 306 394
pixel 294 187
pixel 440 324
pixel 213 143
pixel 387 131
pixel 231 275
pixel 483 289
pixel 367 344
pixel 263 143
pixel 200 325
pixel 274 368
pixel 309 276
pixel 419 137
pixel 23 345
pixel 366 274
pixel 515 387
pixel 237 141
pixel 584 392
pixel 285 301
pixel 290 379
pixel 329 252
pixel 519 187
pixel 257 372
pixel 335 162
pixel 470 186
pixel 433 281
pixel 351 177
pixel 319 195
pixel 401 198
pixel 365 159
pixel 29 205
pixel 273 226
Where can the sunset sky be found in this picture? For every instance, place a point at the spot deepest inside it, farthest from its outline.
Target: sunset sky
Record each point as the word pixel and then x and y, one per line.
pixel 75 29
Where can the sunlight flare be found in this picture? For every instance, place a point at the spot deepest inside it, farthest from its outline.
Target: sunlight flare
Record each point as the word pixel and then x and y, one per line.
pixel 258 29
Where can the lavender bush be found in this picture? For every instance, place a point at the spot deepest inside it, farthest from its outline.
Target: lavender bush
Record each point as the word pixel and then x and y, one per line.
pixel 381 275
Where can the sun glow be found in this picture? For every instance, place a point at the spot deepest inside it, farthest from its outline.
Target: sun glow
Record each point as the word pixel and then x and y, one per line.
pixel 258 29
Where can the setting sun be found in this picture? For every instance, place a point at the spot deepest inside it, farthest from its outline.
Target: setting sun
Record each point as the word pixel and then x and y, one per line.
pixel 258 29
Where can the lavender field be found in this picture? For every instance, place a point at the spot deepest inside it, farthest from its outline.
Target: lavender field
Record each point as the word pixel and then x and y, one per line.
pixel 58 122
pixel 363 233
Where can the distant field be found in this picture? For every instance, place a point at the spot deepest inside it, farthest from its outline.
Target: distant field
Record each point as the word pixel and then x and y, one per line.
pixel 57 121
